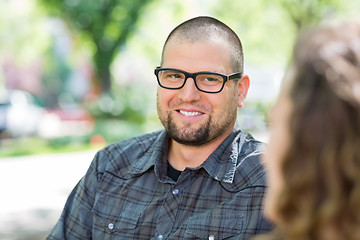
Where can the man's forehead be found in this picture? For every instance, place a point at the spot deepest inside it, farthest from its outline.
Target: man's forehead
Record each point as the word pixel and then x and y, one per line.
pixel 174 41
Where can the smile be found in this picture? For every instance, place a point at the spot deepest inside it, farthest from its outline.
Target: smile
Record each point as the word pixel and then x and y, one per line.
pixel 190 114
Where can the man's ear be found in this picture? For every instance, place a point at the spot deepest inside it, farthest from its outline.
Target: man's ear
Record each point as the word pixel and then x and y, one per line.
pixel 243 87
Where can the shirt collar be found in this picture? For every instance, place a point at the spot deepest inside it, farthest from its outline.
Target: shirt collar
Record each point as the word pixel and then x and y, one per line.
pixel 153 157
pixel 220 165
pixel 236 162
pixel 217 165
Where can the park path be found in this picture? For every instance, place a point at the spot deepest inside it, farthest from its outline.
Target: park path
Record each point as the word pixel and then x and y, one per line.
pixel 33 191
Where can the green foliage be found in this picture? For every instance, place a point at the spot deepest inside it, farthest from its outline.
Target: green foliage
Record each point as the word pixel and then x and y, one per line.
pixel 266 37
pixel 22 41
pixel 122 113
pixel 105 24
pixel 129 102
pixel 65 142
pixel 268 28
pixel 307 13
pixel 113 130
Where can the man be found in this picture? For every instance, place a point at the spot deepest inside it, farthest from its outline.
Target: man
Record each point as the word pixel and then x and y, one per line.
pixel 200 178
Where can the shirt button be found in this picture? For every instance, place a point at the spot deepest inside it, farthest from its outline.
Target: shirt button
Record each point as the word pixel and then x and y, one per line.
pixel 175 191
pixel 211 237
pixel 160 237
pixel 111 226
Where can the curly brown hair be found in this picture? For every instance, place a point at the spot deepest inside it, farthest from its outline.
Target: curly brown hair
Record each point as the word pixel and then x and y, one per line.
pixel 321 168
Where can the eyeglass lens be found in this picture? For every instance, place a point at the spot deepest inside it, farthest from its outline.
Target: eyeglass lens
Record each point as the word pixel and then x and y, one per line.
pixel 175 79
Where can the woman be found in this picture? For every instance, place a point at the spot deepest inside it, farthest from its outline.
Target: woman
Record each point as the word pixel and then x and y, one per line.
pixel 313 156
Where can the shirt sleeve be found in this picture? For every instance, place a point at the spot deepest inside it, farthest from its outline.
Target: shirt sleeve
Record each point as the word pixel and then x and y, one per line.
pixel 76 219
pixel 256 222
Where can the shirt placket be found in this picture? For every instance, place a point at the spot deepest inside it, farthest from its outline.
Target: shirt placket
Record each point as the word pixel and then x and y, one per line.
pixel 170 207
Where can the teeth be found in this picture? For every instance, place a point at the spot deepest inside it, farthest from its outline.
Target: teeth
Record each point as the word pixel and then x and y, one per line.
pixel 188 114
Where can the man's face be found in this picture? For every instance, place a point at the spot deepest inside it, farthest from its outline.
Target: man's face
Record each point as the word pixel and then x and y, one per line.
pixel 192 117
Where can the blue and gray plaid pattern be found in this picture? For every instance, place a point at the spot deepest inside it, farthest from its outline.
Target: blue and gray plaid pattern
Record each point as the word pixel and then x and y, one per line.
pixel 126 194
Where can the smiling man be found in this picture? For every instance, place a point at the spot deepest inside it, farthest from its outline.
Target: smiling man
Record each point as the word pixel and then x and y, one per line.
pixel 200 177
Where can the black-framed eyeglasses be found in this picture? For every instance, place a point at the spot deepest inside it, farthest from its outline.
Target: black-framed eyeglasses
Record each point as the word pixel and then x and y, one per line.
pixel 209 82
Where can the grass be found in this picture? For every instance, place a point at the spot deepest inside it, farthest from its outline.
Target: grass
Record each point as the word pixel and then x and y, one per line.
pixel 105 132
pixel 33 146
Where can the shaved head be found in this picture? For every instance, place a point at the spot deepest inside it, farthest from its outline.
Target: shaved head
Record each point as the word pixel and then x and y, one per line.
pixel 209 29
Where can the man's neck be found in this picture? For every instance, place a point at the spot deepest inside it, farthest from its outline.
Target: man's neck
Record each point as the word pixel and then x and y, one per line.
pixel 181 156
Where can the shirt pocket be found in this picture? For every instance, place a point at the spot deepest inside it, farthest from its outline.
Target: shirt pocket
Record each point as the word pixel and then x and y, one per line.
pixel 109 222
pixel 215 224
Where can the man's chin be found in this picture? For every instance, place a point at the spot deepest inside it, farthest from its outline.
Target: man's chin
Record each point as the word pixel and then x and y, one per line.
pixel 188 134
pixel 189 141
pixel 190 137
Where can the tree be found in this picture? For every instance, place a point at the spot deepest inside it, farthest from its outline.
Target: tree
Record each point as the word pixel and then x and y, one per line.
pixel 306 13
pixel 106 24
pixel 269 28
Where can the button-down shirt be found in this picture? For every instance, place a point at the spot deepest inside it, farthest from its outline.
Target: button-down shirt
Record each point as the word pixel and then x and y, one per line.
pixel 126 194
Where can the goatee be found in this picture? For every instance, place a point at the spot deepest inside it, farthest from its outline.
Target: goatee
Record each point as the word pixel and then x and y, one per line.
pixel 187 135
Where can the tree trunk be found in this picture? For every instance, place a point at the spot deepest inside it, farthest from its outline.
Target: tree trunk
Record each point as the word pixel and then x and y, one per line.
pixel 102 60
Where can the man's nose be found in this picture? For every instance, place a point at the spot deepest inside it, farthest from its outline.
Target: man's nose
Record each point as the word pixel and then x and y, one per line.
pixel 189 92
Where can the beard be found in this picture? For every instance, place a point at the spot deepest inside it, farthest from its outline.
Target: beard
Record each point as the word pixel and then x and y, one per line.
pixel 187 135
pixel 204 134
pixel 214 127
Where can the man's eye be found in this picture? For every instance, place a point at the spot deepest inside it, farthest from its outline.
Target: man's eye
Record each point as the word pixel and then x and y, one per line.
pixel 174 75
pixel 211 79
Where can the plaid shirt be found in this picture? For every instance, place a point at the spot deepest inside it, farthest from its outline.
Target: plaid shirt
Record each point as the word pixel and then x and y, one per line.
pixel 126 194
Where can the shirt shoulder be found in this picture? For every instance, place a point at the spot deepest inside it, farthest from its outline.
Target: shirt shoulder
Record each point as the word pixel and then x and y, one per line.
pixel 248 145
pixel 248 170
pixel 127 157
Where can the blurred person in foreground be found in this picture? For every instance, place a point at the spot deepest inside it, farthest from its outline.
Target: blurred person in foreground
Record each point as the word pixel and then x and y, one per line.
pixel 200 177
pixel 313 155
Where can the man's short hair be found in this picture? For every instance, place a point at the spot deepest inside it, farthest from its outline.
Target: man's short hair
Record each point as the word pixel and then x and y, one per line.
pixel 203 28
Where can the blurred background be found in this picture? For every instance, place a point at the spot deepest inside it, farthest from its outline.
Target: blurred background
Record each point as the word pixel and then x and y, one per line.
pixel 76 75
